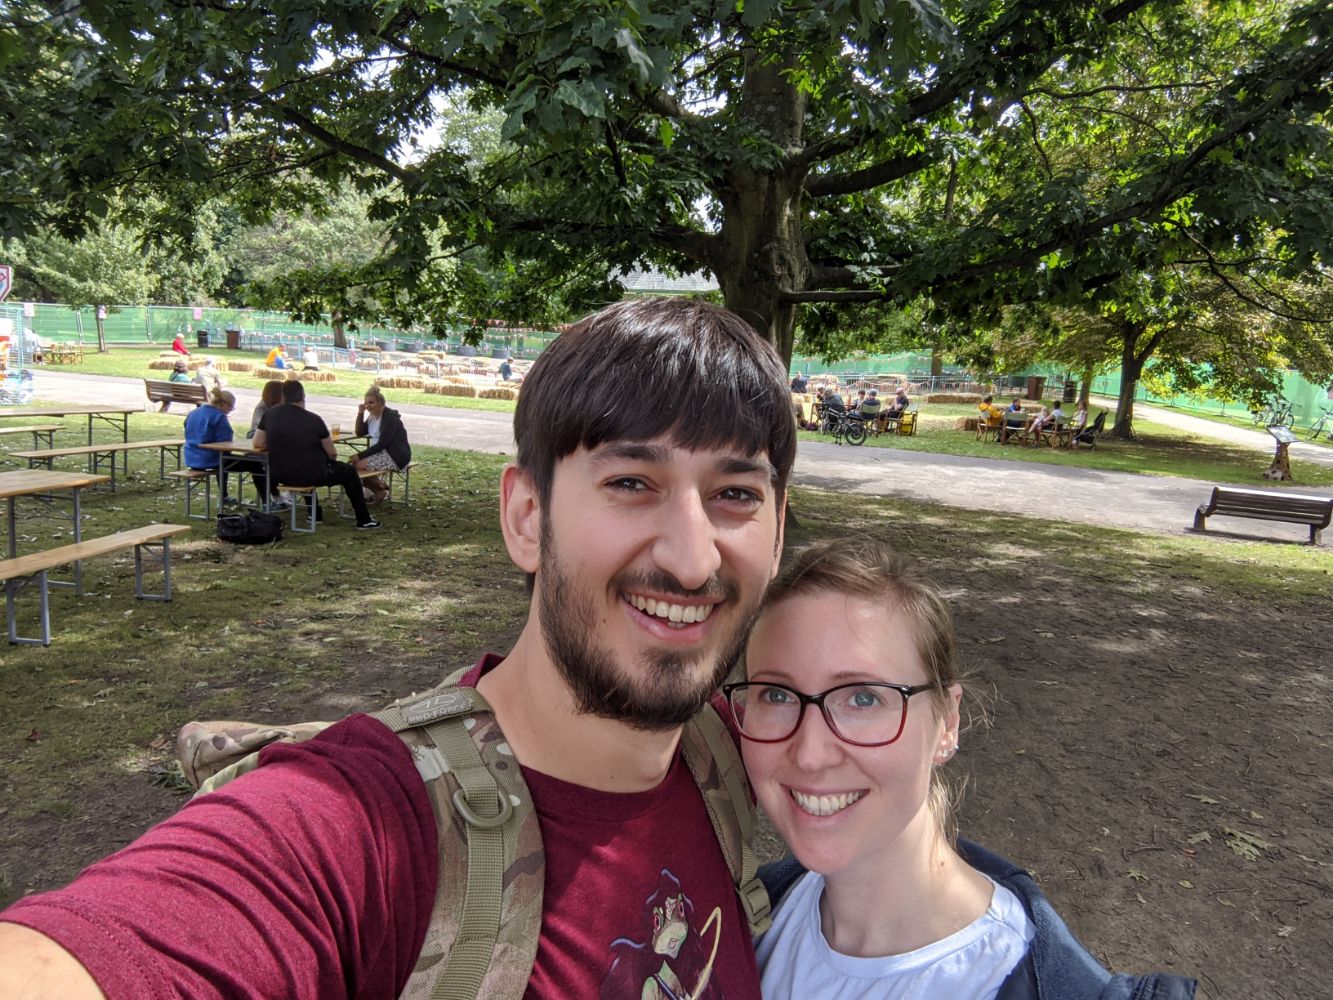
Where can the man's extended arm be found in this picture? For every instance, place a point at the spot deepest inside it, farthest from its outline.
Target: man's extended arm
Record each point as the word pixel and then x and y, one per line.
pixel 33 967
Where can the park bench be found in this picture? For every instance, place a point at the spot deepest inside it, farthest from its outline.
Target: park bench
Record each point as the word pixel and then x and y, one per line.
pixel 38 432
pixel 174 392
pixel 1294 508
pixel 33 568
pixel 105 454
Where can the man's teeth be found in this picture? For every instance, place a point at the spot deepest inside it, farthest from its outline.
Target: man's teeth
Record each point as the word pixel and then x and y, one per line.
pixel 824 805
pixel 679 614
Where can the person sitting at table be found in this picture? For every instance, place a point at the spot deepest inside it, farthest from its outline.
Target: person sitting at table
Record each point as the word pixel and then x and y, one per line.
pixel 178 345
pixel 1016 406
pixel 275 358
pixel 204 425
pixel 899 405
pixel 301 453
pixel 869 410
pixel 388 449
pixel 1040 423
pixel 1080 418
pixel 990 413
pixel 798 382
pixel 860 399
pixel 832 404
pixel 269 397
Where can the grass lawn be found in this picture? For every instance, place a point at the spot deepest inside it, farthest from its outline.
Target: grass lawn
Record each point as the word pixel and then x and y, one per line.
pixel 1301 430
pixel 133 362
pixel 1160 450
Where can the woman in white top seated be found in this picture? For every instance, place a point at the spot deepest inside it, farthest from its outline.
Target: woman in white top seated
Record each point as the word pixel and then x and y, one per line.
pixel 850 710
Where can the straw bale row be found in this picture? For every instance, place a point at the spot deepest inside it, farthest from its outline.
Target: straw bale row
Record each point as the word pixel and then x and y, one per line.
pixel 954 397
pixel 442 389
pixel 314 375
pixel 498 392
pixel 400 382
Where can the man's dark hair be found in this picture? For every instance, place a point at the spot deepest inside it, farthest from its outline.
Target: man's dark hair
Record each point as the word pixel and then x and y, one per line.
pixel 652 367
pixel 293 391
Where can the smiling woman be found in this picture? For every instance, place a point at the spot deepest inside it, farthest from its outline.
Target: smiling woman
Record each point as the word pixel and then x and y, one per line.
pixel 849 711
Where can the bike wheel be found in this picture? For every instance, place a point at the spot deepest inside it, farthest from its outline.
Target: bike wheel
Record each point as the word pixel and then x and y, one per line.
pixel 1315 429
pixel 1287 419
pixel 856 432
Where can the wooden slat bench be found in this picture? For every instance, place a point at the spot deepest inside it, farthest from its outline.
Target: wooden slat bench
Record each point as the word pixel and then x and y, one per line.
pixel 1268 505
pixel 33 568
pixel 405 472
pixel 38 432
pixel 192 479
pixel 100 454
pixel 175 392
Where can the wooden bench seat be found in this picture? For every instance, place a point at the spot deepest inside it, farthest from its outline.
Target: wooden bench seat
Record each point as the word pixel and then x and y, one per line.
pixel 175 392
pixel 405 473
pixel 192 479
pixel 34 567
pixel 1268 505
pixel 38 432
pixel 105 453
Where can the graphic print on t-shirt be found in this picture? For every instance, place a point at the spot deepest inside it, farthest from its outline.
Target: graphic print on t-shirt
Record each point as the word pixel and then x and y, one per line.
pixel 671 957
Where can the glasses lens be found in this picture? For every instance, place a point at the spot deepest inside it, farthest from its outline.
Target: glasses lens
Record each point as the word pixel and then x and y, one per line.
pixel 866 713
pixel 765 711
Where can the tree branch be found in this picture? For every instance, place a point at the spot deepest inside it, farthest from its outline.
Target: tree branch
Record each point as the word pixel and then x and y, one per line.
pixel 404 175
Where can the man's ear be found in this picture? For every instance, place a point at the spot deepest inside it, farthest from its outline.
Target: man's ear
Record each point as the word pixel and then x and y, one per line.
pixel 520 518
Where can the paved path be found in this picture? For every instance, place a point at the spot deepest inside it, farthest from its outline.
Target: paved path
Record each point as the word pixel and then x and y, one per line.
pixel 1157 504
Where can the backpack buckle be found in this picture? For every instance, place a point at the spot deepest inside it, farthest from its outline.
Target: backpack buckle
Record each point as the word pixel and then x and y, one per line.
pixel 506 811
pixel 758 908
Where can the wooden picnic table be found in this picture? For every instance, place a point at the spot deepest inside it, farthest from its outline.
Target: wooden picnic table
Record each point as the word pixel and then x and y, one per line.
pixel 238 456
pixel 64 354
pixel 116 416
pixel 45 485
pixel 106 452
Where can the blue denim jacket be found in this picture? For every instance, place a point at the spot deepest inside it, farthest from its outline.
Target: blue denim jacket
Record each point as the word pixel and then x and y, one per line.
pixel 1056 967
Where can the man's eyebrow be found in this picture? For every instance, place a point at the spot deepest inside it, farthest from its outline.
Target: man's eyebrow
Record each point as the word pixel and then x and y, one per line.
pixel 737 466
pixel 631 451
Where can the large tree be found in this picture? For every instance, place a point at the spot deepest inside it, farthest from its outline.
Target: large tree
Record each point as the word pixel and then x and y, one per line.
pixel 835 153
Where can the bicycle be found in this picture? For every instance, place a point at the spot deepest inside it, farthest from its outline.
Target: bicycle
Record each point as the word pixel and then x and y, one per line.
pixel 1325 419
pixel 1274 413
pixel 844 425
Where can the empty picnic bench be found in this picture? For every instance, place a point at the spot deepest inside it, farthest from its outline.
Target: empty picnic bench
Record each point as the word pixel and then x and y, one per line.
pixel 175 392
pixel 21 571
pixel 38 432
pixel 105 454
pixel 1268 505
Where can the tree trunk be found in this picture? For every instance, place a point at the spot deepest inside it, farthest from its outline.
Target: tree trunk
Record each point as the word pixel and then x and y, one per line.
pixel 761 249
pixel 101 329
pixel 1085 387
pixel 936 361
pixel 339 330
pixel 1131 367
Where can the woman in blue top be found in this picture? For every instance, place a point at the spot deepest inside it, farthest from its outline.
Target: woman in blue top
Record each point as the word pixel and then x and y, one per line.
pixel 850 710
pixel 204 425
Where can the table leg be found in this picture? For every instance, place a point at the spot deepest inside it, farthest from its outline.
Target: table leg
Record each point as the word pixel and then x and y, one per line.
pixel 78 535
pixel 13 536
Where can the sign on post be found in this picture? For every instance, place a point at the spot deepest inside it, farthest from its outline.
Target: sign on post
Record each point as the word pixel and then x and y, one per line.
pixel 6 281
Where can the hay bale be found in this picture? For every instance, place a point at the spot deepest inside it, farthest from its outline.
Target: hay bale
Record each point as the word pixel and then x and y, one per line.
pixel 954 397
pixel 244 367
pixel 162 364
pixel 441 389
pixel 498 392
pixel 400 382
pixel 272 374
pixel 315 375
pixel 965 424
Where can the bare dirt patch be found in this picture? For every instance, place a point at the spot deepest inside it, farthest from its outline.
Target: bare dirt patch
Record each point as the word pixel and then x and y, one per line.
pixel 1158 751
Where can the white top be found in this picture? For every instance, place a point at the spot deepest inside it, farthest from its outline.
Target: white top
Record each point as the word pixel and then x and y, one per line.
pixel 373 429
pixel 795 961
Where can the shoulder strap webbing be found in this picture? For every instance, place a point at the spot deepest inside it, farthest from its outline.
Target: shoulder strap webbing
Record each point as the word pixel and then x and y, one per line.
pixel 713 760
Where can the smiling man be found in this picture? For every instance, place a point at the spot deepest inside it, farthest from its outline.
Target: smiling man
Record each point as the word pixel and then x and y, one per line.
pixel 655 439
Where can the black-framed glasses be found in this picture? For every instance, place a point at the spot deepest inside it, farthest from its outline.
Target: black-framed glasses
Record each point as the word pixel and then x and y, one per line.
pixel 864 714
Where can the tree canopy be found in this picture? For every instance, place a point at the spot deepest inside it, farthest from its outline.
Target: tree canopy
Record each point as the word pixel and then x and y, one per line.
pixel 818 159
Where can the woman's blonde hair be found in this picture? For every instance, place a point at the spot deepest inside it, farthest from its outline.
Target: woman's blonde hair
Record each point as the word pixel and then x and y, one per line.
pixel 871 569
pixel 220 396
pixel 376 393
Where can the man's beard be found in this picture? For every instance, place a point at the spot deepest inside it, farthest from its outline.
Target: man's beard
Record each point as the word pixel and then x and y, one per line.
pixel 666 692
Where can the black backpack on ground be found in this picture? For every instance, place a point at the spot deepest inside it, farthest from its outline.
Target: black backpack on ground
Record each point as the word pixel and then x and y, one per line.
pixel 251 528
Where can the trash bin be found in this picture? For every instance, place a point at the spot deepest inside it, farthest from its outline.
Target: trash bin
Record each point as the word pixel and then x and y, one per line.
pixel 1071 391
pixel 203 338
pixel 233 340
pixel 1036 386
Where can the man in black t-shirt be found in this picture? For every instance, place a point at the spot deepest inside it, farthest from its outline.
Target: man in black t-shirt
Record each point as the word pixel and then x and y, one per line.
pixel 301 453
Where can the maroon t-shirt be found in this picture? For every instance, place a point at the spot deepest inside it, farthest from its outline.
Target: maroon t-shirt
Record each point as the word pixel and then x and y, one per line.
pixel 313 877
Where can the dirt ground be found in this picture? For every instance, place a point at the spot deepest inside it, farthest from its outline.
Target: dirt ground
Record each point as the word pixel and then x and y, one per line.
pixel 1157 752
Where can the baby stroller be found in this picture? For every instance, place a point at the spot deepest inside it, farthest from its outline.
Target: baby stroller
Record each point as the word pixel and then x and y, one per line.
pixel 1088 435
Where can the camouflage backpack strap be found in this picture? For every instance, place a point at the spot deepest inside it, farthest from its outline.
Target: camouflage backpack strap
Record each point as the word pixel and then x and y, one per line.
pixel 216 752
pixel 484 928
pixel 715 762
